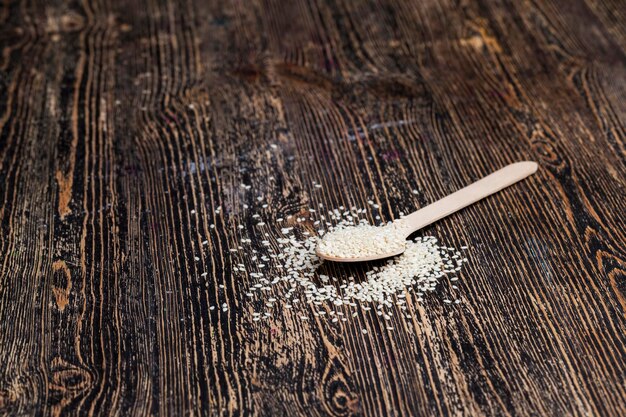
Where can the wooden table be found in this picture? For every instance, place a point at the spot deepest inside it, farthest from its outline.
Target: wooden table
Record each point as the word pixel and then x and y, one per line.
pixel 119 119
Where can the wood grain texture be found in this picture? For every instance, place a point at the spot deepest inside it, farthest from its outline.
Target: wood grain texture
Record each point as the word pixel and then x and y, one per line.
pixel 118 118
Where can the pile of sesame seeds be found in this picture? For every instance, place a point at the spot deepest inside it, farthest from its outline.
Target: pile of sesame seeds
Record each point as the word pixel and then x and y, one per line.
pixel 363 240
pixel 294 279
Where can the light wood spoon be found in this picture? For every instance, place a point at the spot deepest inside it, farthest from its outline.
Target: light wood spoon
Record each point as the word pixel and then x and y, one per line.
pixel 482 188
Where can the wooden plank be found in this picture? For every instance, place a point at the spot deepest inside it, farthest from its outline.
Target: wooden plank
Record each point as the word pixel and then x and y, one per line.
pixel 124 126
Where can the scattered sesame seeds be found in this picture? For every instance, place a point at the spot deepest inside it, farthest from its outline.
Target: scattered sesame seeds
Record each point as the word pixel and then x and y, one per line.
pixel 291 280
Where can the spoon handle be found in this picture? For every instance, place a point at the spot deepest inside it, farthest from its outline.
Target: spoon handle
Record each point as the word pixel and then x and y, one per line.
pixel 482 188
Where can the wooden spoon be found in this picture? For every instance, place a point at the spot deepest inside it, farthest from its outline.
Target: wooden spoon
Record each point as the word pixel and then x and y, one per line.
pixel 482 188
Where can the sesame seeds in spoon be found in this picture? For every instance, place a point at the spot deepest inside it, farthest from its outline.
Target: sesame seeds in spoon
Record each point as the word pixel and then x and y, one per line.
pixel 367 243
pixel 363 242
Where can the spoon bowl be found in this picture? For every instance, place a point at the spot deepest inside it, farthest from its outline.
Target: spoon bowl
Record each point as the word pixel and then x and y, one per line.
pixel 376 257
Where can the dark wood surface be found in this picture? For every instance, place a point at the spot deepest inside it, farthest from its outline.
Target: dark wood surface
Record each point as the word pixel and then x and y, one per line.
pixel 119 117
